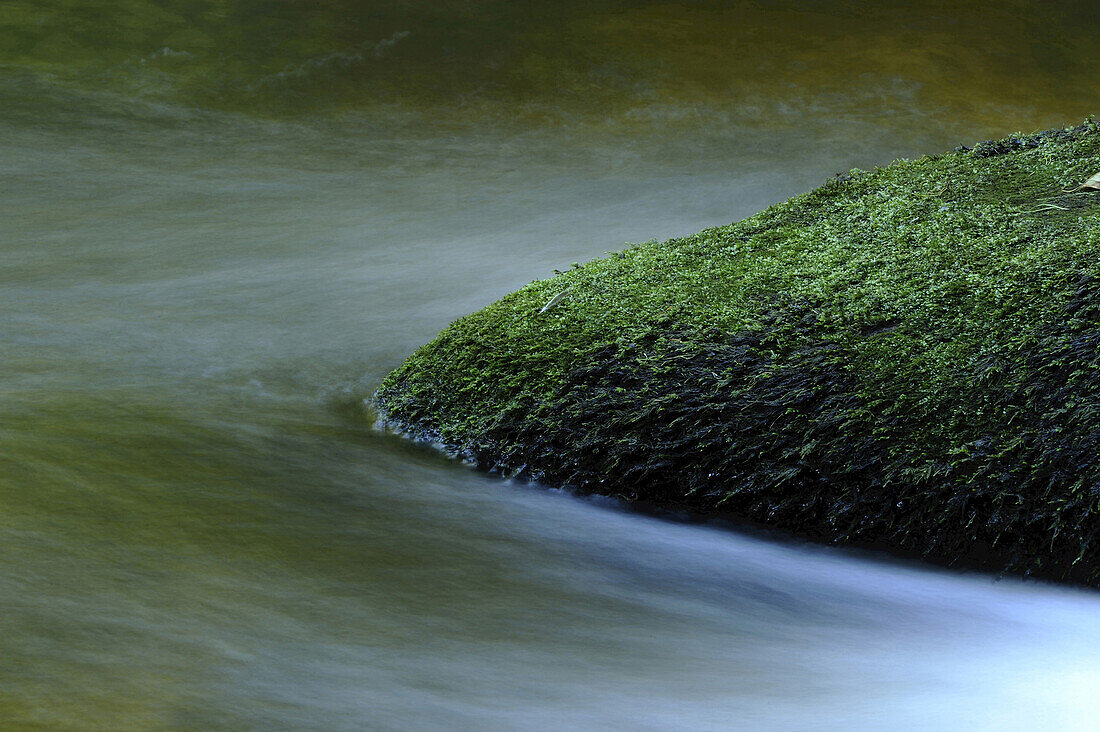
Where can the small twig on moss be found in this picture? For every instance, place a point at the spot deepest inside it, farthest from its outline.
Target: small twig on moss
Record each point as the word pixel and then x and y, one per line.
pixel 1046 206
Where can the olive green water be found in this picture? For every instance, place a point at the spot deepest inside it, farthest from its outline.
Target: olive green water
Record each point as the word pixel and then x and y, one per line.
pixel 221 223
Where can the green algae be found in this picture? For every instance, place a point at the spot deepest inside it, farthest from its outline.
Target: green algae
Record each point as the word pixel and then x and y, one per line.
pixel 907 358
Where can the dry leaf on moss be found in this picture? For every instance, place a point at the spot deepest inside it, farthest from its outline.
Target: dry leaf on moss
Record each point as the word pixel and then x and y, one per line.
pixel 555 300
pixel 1092 184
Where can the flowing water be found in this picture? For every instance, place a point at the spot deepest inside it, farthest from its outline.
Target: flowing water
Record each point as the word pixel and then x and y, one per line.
pixel 222 223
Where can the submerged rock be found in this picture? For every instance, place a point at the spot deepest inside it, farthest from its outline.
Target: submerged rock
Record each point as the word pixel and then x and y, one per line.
pixel 906 358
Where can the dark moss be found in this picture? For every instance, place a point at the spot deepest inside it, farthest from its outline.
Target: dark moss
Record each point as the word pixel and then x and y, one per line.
pixel 907 358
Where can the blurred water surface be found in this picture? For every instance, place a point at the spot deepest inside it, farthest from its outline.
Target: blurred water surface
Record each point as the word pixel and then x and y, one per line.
pixel 222 222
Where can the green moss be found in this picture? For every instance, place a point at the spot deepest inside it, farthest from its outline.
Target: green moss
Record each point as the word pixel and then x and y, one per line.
pixel 907 357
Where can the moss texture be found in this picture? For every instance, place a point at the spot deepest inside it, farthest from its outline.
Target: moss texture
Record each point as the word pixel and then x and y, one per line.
pixel 906 358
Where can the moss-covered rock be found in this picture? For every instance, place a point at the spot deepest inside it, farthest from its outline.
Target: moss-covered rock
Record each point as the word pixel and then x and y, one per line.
pixel 907 358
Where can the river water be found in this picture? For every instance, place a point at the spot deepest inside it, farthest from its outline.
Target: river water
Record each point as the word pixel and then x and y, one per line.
pixel 205 269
